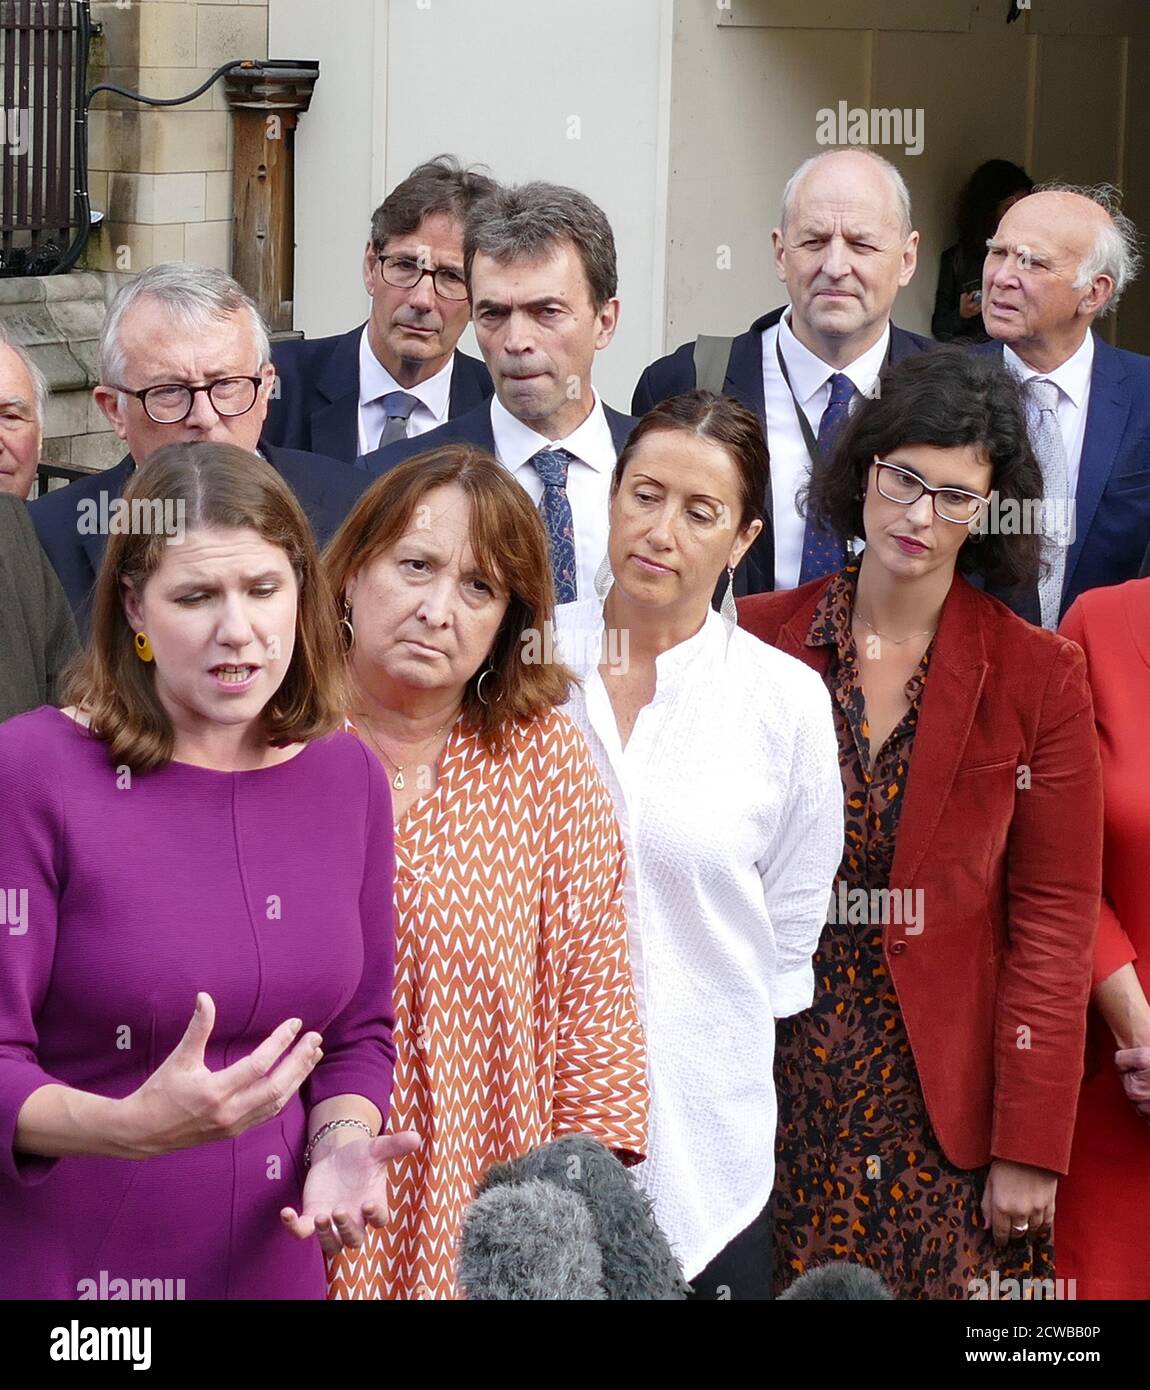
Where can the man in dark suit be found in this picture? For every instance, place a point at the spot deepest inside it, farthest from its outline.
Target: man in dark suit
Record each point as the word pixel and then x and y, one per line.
pixel 1060 259
pixel 844 247
pixel 184 358
pixel 540 265
pixel 400 374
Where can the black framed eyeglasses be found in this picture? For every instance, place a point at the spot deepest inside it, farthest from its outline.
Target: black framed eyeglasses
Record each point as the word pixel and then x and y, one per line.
pixel 171 402
pixel 405 272
pixel 950 503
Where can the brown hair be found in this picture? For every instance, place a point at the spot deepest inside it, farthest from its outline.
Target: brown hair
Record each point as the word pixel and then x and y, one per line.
pixel 212 485
pixel 442 185
pixel 719 420
pixel 529 223
pixel 510 546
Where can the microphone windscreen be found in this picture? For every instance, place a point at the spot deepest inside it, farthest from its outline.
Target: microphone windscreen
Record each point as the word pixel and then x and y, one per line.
pixel 839 1282
pixel 529 1241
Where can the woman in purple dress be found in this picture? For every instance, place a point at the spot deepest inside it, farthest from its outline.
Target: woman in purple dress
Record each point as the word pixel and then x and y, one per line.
pixel 192 834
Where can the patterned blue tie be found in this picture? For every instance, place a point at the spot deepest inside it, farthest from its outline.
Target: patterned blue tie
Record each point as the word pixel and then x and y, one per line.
pixel 823 551
pixel 555 509
pixel 398 406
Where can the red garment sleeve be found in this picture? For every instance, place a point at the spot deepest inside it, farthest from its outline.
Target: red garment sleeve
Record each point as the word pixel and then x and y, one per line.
pixel 1112 948
pixel 1053 891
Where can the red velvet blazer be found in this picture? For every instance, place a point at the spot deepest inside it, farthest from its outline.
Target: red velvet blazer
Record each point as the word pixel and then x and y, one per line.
pixel 1002 831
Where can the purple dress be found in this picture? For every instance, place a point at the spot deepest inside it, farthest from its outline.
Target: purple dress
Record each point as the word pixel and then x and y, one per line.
pixel 272 891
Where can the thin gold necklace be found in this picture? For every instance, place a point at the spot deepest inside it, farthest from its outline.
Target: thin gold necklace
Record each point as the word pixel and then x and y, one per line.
pixel 897 641
pixel 398 782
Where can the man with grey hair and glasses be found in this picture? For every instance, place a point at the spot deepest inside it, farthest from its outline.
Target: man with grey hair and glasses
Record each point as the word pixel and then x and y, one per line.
pixel 844 247
pixel 401 373
pixel 1061 258
pixel 184 358
pixel 540 267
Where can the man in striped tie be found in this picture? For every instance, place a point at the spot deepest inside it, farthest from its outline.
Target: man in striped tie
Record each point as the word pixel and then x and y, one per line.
pixel 1060 258
pixel 540 263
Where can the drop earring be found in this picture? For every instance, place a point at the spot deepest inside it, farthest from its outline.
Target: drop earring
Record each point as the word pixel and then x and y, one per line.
pixel 143 647
pixel 727 610
pixel 345 625
pixel 604 578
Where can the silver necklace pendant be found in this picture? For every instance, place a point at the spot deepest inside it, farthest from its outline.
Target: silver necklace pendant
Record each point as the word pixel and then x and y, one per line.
pixel 397 781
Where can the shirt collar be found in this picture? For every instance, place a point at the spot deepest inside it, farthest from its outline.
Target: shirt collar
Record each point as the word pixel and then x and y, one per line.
pixel 1072 378
pixel 581 625
pixel 515 442
pixel 809 373
pixel 831 627
pixel 375 381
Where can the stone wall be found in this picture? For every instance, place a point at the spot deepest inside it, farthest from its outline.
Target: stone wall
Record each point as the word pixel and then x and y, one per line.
pixel 162 175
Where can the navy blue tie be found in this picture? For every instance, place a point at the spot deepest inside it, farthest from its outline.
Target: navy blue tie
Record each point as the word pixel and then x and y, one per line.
pixel 824 552
pixel 555 509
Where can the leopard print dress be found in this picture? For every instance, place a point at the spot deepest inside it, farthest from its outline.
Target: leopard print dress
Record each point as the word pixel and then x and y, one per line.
pixel 860 1175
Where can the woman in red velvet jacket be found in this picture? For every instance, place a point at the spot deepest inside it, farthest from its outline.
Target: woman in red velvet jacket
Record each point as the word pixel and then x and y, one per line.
pixel 927 1099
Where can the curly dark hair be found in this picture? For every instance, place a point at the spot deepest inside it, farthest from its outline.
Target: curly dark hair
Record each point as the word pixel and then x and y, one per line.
pixel 946 398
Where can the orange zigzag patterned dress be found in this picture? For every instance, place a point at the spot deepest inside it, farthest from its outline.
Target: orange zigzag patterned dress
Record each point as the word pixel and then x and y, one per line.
pixel 515 1018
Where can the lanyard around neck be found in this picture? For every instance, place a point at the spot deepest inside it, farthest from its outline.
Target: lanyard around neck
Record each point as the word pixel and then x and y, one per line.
pixel 813 451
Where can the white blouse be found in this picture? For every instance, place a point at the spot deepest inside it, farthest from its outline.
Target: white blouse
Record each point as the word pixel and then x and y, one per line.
pixel 731 806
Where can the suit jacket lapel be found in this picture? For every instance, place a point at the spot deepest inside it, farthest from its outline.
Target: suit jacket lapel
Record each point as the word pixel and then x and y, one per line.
pixel 744 379
pixel 954 682
pixel 113 482
pixel 1106 418
pixel 335 426
pixel 620 426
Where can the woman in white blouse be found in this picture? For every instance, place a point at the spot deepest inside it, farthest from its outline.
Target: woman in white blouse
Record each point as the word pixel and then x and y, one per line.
pixel 721 756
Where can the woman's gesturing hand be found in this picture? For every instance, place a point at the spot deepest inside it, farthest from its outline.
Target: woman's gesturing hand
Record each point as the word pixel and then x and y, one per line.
pixel 183 1103
pixel 346 1191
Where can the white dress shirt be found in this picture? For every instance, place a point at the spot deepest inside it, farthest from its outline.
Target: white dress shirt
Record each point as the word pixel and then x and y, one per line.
pixel 434 396
pixel 588 478
pixel 790 462
pixel 731 806
pixel 1073 381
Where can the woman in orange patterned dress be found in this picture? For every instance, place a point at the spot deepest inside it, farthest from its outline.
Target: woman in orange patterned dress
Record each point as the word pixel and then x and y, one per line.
pixel 515 1019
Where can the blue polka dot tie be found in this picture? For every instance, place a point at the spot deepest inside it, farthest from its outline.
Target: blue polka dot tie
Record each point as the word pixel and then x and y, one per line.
pixel 555 509
pixel 823 551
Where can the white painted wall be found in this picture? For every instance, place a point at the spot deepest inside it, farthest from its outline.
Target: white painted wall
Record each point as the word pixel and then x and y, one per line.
pixel 506 83
pixel 748 83
pixel 691 114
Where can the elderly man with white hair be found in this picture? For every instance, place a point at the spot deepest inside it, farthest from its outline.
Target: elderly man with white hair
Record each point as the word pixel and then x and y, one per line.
pixel 1060 259
pixel 37 634
pixel 23 400
pixel 184 358
pixel 844 247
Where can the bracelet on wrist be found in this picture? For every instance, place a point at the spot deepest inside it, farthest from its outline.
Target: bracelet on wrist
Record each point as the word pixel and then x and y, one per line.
pixel 326 1129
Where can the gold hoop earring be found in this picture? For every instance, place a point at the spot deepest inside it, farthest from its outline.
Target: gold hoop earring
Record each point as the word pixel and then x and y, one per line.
pixel 144 647
pixel 345 625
